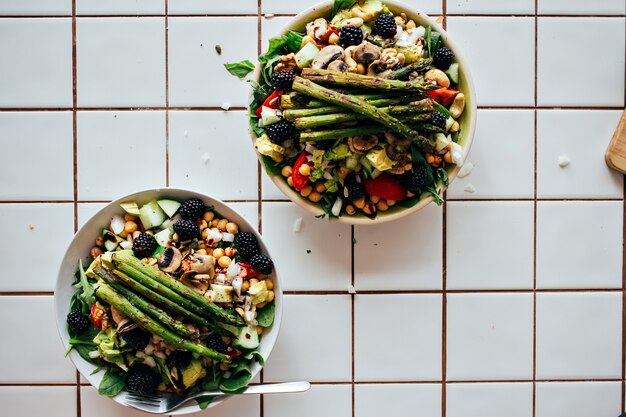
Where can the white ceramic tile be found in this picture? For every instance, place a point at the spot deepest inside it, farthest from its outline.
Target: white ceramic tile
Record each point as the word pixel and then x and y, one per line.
pixel 120 153
pixel 240 405
pixel 489 245
pixel 49 401
pixel 490 7
pixel 249 211
pixel 27 169
pixel 489 337
pixel 87 211
pixel 211 152
pixel 35 354
pixel 94 405
pixel 36 7
pixel 582 136
pixel 197 76
pixel 578 399
pixel 579 244
pixel 580 7
pixel 375 400
pixel 32 226
pixel 120 7
pixel 503 157
pixel 314 343
pixel 40 55
pixel 489 400
pixel 315 258
pixel 560 42
pixel 120 62
pixel 405 326
pixel 579 335
pixel 404 254
pixel 212 7
pixel 320 400
pixel 271 27
pixel 492 60
pixel 293 7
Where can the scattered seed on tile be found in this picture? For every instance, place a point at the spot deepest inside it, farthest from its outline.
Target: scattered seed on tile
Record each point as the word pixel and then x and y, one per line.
pixel 218 49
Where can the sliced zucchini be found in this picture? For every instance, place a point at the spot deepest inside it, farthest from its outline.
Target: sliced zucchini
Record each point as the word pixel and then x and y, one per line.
pixel 223 293
pixel 163 237
pixel 151 215
pixel 170 207
pixel 306 55
pixel 130 208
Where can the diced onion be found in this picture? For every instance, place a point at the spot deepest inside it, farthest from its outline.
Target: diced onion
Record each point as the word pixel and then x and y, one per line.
pixel 237 285
pixel 94 354
pixel 220 278
pixel 215 235
pixel 328 175
pixel 336 207
pixel 228 237
pixel 233 269
pixel 117 224
pixel 310 148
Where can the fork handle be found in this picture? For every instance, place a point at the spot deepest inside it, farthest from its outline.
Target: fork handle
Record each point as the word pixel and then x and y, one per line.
pixel 279 388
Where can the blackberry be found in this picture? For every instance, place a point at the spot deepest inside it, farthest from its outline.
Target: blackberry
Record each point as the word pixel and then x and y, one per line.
pixel 443 58
pixel 144 245
pixel 438 119
pixel 416 178
pixel 179 359
pixel 350 35
pixel 282 80
pixel 385 26
pixel 280 131
pixel 215 342
pixel 78 322
pixel 142 379
pixel 192 209
pixel 262 263
pixel 137 338
pixel 186 229
pixel 324 144
pixel 352 189
pixel 246 245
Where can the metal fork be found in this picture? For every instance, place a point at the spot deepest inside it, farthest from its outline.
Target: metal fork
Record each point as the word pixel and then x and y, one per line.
pixel 167 402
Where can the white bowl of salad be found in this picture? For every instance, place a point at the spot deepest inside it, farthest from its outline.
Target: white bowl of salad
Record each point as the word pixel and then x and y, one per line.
pixel 168 290
pixel 361 110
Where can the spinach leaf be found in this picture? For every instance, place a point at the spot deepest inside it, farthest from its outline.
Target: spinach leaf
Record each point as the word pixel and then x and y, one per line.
pixel 112 383
pixel 341 5
pixel 255 354
pixel 203 402
pixel 433 40
pixel 265 315
pixel 254 126
pixel 293 41
pixel 240 69
pixel 271 168
pixel 236 383
pixel 418 158
pixel 455 136
pixel 408 202
pixel 276 44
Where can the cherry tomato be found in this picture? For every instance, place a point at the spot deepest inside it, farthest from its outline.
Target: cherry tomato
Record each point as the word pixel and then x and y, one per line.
pixel 443 96
pixel 385 186
pixel 97 319
pixel 272 102
pixel 299 180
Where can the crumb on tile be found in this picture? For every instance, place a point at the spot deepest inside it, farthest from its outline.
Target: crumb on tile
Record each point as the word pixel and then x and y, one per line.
pixel 297 225
pixel 205 158
pixel 351 289
pixel 469 188
pixel 218 49
pixel 31 226
pixel 225 106
pixel 465 170
pixel 563 161
pixel 308 251
pixel 269 15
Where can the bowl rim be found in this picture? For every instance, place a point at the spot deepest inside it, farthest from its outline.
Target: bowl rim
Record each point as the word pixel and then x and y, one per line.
pixel 84 367
pixel 470 123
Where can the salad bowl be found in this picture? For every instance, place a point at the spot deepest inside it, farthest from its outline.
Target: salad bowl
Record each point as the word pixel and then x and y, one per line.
pixel 316 196
pixel 79 250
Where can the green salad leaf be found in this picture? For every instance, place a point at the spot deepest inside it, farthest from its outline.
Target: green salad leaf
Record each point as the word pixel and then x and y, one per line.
pixel 293 41
pixel 265 315
pixel 271 168
pixel 342 4
pixel 85 289
pixel 240 69
pixel 433 40
pixel 255 355
pixel 236 383
pixel 203 402
pixel 112 383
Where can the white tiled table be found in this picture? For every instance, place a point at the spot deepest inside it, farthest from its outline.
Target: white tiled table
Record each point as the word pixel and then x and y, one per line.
pixel 507 301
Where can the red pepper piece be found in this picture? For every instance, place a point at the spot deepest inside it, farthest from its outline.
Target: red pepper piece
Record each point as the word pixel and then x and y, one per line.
pixel 385 186
pixel 299 180
pixel 97 320
pixel 443 96
pixel 272 102
pixel 247 271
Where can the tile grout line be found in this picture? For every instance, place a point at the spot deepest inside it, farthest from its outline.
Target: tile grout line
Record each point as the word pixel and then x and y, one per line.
pixel 623 402
pixel 444 263
pixel 222 16
pixel 167 98
pixel 352 303
pixel 259 173
pixel 535 94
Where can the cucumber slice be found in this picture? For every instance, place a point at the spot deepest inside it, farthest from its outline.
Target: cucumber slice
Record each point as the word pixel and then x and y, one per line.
pixel 449 123
pixel 352 162
pixel 453 72
pixel 248 338
pixel 305 56
pixel 441 141
pixel 170 207
pixel 130 208
pixel 223 293
pixel 163 237
pixel 111 240
pixel 151 215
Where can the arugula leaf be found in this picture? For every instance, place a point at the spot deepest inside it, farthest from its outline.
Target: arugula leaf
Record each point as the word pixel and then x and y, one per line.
pixel 293 41
pixel 203 402
pixel 236 383
pixel 434 192
pixel 442 176
pixel 341 5
pixel 112 383
pixel 87 295
pixel 240 69
pixel 265 315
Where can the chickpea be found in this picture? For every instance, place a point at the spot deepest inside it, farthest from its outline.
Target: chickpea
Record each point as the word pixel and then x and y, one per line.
pixel 129 217
pixel 286 171
pixel 369 208
pixel 455 127
pixel 150 232
pixel 269 284
pixel 438 160
pixel 218 253
pixel 410 194
pixel 360 69
pixel 359 203
pixel 245 286
pixel 350 209
pixel 261 305
pixel 290 181
pixel 333 39
pixel 259 330
pixel 430 158
pixel 390 203
pixel 224 261
pixel 399 20
pixel 215 222
pixel 382 205
pixel 320 187
pixel 270 296
pixel 315 196
pixel 205 233
pixel 221 225
pixel 208 216
pixel 410 25
pixel 232 227
pixel 305 170
pixel 253 281
pixel 304 192
pixel 448 157
pixel 374 199
pixel 202 224
pixel 201 251
pixel 95 252
pixel 123 234
pixel 230 251
pixel 99 241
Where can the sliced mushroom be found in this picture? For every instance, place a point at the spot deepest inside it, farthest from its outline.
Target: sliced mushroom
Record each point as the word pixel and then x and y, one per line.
pixel 170 259
pixel 202 264
pixel 126 326
pixel 338 66
pixel 376 67
pixel 199 282
pixel 366 53
pixel 117 316
pixel 327 55
pixel 362 144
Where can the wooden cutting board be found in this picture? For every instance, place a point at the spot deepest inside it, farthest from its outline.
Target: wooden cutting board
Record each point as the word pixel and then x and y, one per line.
pixel 616 152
